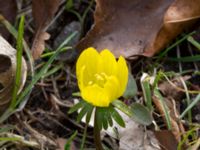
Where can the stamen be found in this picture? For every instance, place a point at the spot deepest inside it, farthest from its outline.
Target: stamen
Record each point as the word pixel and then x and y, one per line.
pixel 90 82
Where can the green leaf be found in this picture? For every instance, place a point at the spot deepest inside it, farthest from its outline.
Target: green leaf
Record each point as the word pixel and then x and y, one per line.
pixel 83 111
pixel 122 107
pixel 99 118
pixel 105 118
pixel 105 123
pixel 145 83
pixel 141 114
pixel 165 108
pixel 137 111
pixel 102 120
pixel 89 114
pixel 131 88
pixel 76 107
pixel 117 117
pixel 194 42
pixel 109 118
pixel 193 58
pixel 18 63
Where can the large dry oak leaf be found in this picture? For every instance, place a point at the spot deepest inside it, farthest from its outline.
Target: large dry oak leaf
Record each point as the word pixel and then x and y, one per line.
pixel 139 27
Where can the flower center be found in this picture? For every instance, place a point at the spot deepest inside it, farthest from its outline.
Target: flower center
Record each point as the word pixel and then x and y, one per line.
pixel 100 79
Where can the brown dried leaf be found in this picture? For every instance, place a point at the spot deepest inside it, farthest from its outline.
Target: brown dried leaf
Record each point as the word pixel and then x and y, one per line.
pixel 139 27
pixel 166 140
pixel 8 9
pixel 43 12
pixel 177 126
pixel 181 15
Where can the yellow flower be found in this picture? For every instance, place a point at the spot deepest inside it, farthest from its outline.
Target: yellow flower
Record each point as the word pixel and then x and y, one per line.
pixel 101 79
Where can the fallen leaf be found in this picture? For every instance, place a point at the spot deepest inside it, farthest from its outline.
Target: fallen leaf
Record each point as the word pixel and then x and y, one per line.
pixel 39 44
pixel 177 126
pixel 43 12
pixel 141 114
pixel 139 27
pixel 173 91
pixel 7 73
pixel 8 9
pixel 166 139
pixel 180 16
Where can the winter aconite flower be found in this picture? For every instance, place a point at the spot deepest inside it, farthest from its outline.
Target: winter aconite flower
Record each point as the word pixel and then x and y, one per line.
pixel 101 79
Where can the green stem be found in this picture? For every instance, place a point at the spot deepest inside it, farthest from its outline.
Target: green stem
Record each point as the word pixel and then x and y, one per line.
pixel 97 136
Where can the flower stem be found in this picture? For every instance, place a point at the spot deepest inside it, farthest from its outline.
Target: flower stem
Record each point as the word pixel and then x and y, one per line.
pixel 97 136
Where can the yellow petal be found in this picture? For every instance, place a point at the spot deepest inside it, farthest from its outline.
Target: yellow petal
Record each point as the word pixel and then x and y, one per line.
pixel 122 74
pixel 108 63
pixel 80 78
pixel 112 88
pixel 88 60
pixel 96 96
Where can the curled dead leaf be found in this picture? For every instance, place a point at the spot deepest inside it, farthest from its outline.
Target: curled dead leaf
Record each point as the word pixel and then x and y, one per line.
pixel 43 12
pixel 39 44
pixel 139 27
pixel 7 73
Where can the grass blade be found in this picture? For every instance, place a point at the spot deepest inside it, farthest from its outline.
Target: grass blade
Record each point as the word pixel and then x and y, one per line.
pixel 174 45
pixel 186 59
pixel 165 108
pixel 146 91
pixel 194 42
pixel 19 62
pixel 192 104
pixel 67 145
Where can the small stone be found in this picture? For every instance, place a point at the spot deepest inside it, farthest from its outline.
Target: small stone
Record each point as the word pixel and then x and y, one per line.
pixel 68 30
pixel 197 117
pixel 69 55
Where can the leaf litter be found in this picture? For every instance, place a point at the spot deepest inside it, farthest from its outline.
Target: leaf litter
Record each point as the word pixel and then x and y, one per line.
pixel 44 121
